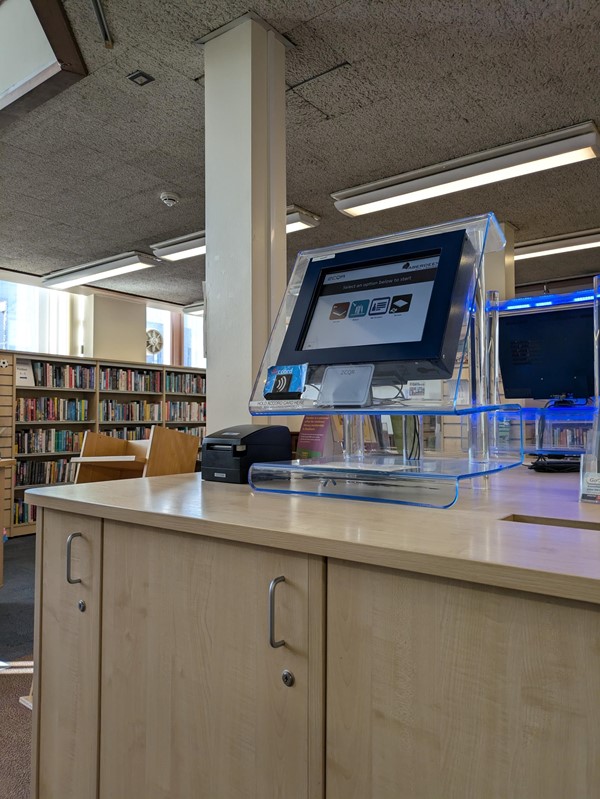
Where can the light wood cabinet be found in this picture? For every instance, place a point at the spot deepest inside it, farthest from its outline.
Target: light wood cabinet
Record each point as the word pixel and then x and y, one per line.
pixel 67 658
pixel 437 688
pixel 167 687
pixel 180 669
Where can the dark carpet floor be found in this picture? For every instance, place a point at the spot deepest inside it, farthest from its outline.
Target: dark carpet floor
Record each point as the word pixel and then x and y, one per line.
pixel 16 646
pixel 15 733
pixel 16 599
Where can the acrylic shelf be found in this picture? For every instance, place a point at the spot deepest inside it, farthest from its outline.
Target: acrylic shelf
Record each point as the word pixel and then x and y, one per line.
pixel 431 480
pixel 432 483
pixel 558 430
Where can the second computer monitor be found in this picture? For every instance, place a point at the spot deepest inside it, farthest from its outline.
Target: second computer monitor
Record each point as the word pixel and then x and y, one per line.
pixel 548 354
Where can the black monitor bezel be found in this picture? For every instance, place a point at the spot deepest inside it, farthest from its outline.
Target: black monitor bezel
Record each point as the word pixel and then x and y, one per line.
pixel 443 322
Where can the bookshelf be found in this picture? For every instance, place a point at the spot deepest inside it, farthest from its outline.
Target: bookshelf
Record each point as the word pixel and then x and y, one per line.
pixel 7 432
pixel 185 400
pixel 48 402
pixel 130 400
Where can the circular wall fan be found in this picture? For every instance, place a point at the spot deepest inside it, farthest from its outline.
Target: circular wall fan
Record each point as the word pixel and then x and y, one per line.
pixel 154 341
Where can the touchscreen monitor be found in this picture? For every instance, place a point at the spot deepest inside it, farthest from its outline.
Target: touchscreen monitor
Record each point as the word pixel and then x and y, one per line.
pixel 399 306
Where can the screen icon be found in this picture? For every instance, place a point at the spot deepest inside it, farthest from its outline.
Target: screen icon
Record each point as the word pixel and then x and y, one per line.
pixel 379 306
pixel 339 310
pixel 358 308
pixel 400 303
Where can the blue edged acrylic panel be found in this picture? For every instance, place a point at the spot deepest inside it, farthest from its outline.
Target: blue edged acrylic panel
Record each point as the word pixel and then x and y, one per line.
pixel 402 303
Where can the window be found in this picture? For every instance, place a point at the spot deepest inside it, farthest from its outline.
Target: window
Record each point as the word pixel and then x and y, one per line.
pixel 160 320
pixel 34 319
pixel 193 340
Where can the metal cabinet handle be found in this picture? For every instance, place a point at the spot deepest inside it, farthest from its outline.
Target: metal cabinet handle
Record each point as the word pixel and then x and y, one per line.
pixel 275 644
pixel 69 546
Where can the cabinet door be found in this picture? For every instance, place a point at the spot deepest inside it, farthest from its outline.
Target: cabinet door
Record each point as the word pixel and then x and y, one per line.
pixel 67 658
pixel 193 701
pixel 440 689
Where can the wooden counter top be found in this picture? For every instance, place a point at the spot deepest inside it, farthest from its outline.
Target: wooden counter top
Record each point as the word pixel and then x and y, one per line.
pixel 552 548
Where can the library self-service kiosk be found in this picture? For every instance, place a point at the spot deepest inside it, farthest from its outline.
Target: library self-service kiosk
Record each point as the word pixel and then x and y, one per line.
pixel 392 327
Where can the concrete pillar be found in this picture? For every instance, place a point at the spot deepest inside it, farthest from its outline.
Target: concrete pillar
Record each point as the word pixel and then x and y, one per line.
pixel 245 210
pixel 500 266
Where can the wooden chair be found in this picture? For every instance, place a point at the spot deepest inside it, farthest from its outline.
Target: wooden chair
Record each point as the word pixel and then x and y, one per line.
pixel 167 451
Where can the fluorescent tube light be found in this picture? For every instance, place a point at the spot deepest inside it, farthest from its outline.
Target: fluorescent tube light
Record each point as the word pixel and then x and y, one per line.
pixel 299 219
pixel 586 240
pixel 195 308
pixel 195 243
pixel 182 247
pixel 100 270
pixel 551 150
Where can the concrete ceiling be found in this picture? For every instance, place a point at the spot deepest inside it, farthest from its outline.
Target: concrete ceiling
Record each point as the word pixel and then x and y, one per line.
pixel 375 88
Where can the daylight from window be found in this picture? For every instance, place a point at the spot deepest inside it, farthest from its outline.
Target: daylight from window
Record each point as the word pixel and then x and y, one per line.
pixel 158 335
pixel 193 341
pixel 34 319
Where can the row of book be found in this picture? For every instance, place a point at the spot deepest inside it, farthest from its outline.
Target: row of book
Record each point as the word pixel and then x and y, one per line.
pixel 569 436
pixel 179 383
pixel 185 411
pixel 63 375
pixel 135 411
pixel 115 379
pixel 23 512
pixel 50 409
pixel 31 442
pixel 44 472
pixel 129 433
pixel 192 431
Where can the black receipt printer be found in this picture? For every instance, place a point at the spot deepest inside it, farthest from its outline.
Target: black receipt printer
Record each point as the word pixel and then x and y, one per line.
pixel 228 454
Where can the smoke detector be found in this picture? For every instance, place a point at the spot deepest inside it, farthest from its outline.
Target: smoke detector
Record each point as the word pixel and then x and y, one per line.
pixel 169 198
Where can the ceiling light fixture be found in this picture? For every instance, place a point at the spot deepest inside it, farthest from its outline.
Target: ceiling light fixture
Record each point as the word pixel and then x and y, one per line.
pixel 299 219
pixel 566 146
pixel 585 240
pixel 100 270
pixel 182 247
pixel 195 308
pixel 195 243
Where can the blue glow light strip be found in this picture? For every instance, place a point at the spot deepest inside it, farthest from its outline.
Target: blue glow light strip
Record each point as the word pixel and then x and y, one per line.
pixel 544 301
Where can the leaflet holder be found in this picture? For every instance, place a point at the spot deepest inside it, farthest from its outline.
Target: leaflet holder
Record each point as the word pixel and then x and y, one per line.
pixel 394 326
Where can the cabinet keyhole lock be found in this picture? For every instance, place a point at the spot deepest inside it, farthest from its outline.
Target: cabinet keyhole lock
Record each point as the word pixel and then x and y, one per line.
pixel 81 605
pixel 288 678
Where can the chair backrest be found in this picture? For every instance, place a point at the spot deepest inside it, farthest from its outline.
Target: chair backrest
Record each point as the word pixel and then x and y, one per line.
pixel 165 452
pixel 171 452
pixel 99 445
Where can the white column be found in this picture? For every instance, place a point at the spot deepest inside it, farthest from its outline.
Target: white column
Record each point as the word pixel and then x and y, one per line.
pixel 245 211
pixel 119 328
pixel 500 266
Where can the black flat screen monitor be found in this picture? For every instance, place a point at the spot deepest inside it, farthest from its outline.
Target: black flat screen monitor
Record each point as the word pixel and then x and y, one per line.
pixel 399 306
pixel 547 355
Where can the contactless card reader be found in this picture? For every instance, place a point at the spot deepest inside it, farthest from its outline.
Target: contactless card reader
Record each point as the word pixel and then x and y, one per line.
pixel 228 454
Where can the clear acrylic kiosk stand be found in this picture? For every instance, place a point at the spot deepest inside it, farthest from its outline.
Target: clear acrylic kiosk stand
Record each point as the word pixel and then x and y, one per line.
pixel 589 488
pixel 418 469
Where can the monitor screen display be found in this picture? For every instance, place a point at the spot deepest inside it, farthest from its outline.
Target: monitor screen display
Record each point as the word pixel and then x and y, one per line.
pixel 550 354
pixel 399 305
pixel 376 305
